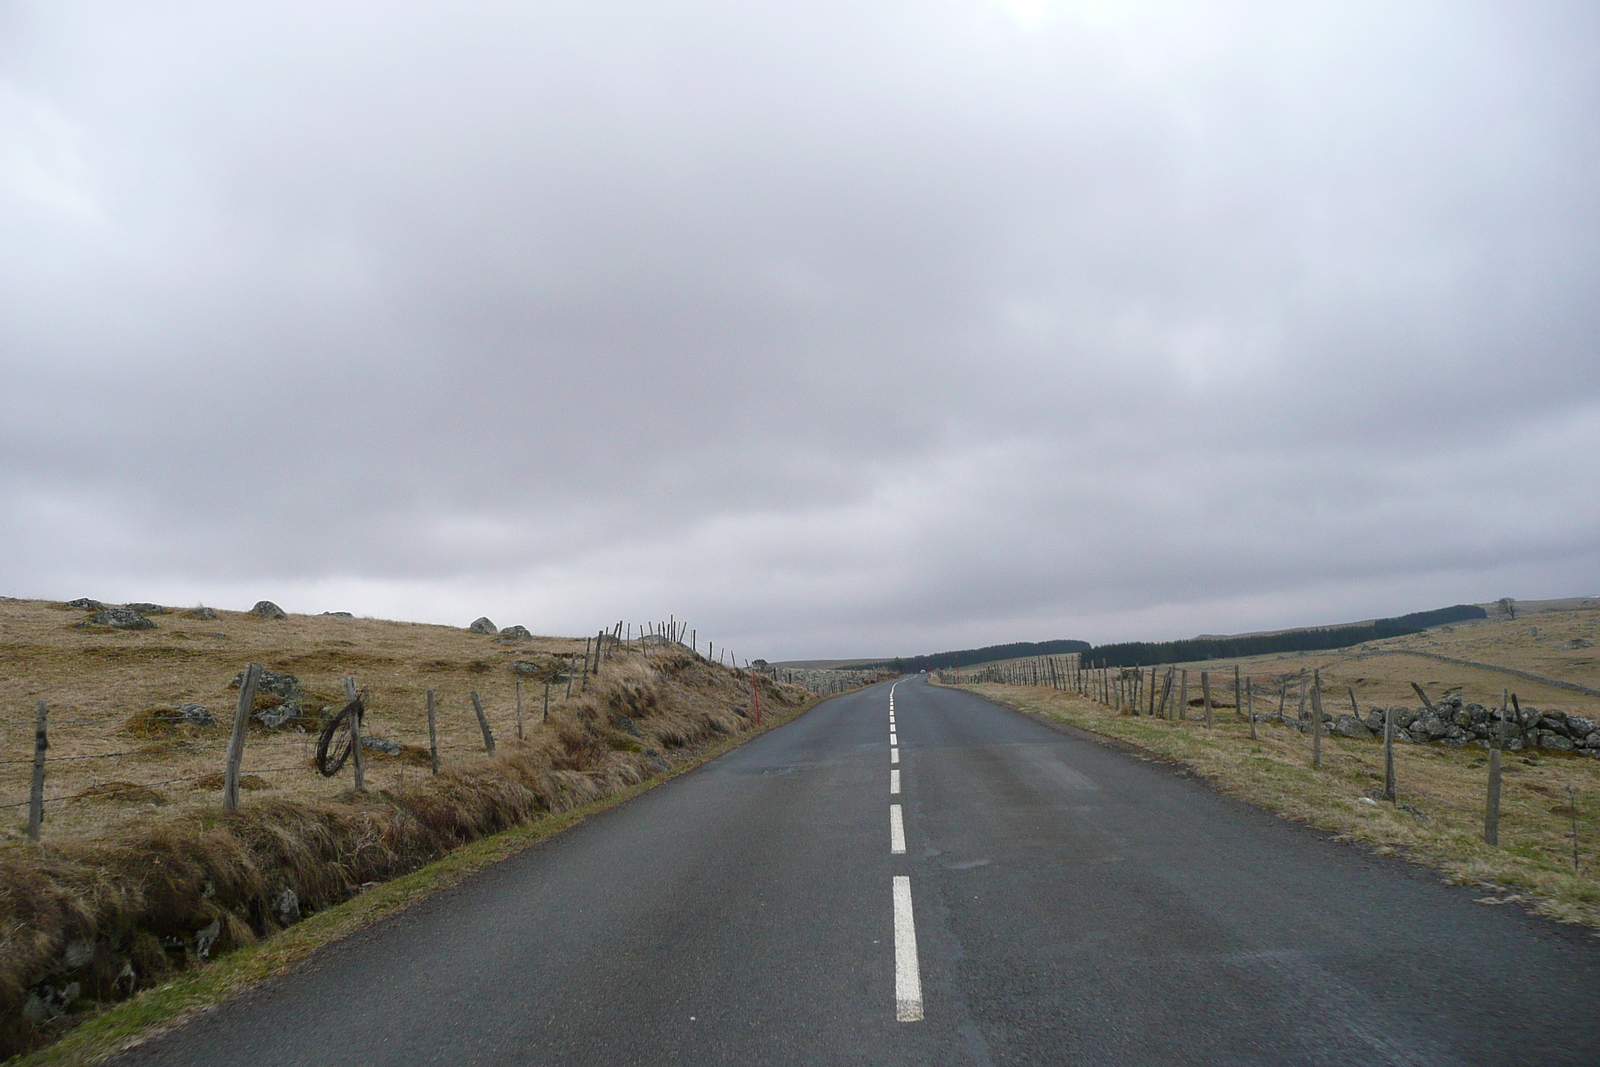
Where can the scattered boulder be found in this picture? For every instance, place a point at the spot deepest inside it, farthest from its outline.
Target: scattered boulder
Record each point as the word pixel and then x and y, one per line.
pixel 200 613
pixel 278 683
pixel 144 608
pixel 1578 642
pixel 266 609
pixel 519 632
pixel 121 619
pixel 339 614
pixel 381 745
pixel 286 906
pixel 1350 726
pixel 84 603
pixel 279 715
pixel 482 625
pixel 196 715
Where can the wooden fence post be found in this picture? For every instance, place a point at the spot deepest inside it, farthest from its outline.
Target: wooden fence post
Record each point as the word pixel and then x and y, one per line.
pixel 519 709
pixel 1205 692
pixel 1355 709
pixel 1250 699
pixel 1425 701
pixel 1316 720
pixel 483 723
pixel 350 694
pixel 433 735
pixel 1302 710
pixel 1388 754
pixel 1491 813
pixel 241 720
pixel 546 698
pixel 41 745
pixel 1183 697
pixel 1238 695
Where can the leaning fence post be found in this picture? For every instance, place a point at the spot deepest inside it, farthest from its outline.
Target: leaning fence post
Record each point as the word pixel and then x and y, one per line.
pixel 241 720
pixel 1205 691
pixel 519 710
pixel 1491 814
pixel 433 735
pixel 1316 720
pixel 41 744
pixel 483 722
pixel 1388 754
pixel 350 695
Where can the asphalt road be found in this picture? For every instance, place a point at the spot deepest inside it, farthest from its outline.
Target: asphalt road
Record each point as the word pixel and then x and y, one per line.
pixel 1057 902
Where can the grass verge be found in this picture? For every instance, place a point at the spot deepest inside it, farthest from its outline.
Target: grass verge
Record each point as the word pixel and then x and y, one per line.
pixel 1437 820
pixel 152 1012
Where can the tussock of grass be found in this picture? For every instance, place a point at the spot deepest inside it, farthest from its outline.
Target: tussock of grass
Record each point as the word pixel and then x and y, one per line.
pixel 1438 820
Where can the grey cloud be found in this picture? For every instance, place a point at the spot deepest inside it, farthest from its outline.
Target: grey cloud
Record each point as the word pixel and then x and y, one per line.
pixel 838 328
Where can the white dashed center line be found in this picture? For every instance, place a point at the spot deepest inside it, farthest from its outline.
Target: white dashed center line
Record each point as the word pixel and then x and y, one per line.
pixel 894 782
pixel 907 975
pixel 897 831
pixel 894 755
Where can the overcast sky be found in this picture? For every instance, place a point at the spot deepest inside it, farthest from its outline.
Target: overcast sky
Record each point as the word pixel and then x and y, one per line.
pixel 833 327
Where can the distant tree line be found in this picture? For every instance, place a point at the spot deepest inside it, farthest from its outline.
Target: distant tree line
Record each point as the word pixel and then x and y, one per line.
pixel 1147 653
pixel 1015 650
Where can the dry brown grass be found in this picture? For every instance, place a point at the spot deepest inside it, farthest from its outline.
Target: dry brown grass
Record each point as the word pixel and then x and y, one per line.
pixel 139 863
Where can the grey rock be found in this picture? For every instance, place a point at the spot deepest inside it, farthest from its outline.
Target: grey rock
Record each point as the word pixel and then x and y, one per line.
pixel 1530 717
pixel 146 609
pixel 339 614
pixel 1578 642
pixel 1553 720
pixel 206 938
pixel 279 715
pixel 48 1000
pixel 1552 740
pixel 278 683
pixel 266 609
pixel 1404 717
pixel 520 632
pixel 1514 744
pixel 1429 726
pixel 1350 726
pixel 1581 725
pixel 625 724
pixel 286 906
pixel 196 715
pixel 84 603
pixel 482 625
pixel 381 745
pixel 201 612
pixel 121 619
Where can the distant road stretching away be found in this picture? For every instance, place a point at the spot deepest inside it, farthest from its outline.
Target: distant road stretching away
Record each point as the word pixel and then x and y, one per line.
pixel 960 885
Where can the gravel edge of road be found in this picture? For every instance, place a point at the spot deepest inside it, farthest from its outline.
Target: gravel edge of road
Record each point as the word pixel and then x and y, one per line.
pixel 172 1004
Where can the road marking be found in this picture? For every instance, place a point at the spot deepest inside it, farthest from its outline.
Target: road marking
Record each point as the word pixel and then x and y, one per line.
pixel 894 782
pixel 894 755
pixel 892 739
pixel 907 975
pixel 897 831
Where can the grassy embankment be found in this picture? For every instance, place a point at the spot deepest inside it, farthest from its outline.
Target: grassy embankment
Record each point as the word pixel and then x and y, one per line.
pixel 1438 821
pixel 147 888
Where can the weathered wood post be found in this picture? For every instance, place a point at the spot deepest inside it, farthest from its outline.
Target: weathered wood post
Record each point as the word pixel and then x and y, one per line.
pixel 1388 754
pixel 572 667
pixel 1425 701
pixel 241 720
pixel 1491 813
pixel 519 709
pixel 1355 709
pixel 1316 720
pixel 41 745
pixel 1183 697
pixel 1238 696
pixel 483 723
pixel 433 735
pixel 356 747
pixel 1302 710
pixel 1205 693
pixel 547 698
pixel 1250 699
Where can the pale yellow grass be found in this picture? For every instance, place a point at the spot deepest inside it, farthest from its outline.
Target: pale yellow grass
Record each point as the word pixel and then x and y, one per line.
pixel 93 681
